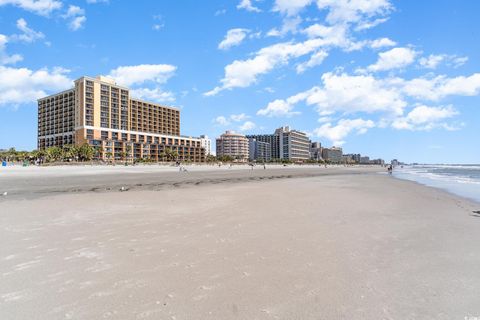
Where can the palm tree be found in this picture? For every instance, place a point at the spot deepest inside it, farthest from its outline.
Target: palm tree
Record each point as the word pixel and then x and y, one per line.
pixel 174 155
pixel 162 155
pixel 109 156
pixel 98 152
pixel 86 152
pixel 69 152
pixel 54 153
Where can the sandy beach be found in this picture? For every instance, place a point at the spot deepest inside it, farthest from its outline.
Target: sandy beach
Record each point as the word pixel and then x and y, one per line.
pixel 219 243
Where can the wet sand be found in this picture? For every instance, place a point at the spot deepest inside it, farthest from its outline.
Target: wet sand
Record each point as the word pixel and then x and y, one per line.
pixel 332 244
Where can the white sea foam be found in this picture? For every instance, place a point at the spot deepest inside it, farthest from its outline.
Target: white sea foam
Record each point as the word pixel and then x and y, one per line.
pixel 463 180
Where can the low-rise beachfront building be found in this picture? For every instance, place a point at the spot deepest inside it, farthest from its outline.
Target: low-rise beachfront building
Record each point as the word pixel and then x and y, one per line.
pixel 259 151
pixel 333 154
pixel 234 145
pixel 101 113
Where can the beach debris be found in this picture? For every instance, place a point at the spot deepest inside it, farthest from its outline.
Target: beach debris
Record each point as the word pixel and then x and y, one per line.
pixel 122 189
pixel 5 194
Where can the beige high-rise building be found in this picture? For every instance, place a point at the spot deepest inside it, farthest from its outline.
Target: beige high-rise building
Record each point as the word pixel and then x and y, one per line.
pixel 101 113
pixel 234 145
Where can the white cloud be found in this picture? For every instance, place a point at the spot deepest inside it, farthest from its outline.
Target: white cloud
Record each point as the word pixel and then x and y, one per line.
pixel 243 73
pixel 370 24
pixel 346 94
pixel 73 11
pixel 459 61
pixel 5 58
pixel 77 18
pixel 290 7
pixel 434 60
pixel 290 24
pixel 247 125
pixel 41 7
pixel 247 5
pixel 239 117
pixel 382 42
pixel 279 108
pixel 22 85
pixel 220 12
pixel 28 34
pixel 155 94
pixel 225 121
pixel 233 38
pixel 393 59
pixel 342 129
pixel 315 60
pixel 132 75
pixel 441 86
pixel 425 118
pixel 221 120
pixel 97 1
pixel 354 11
pixel 157 27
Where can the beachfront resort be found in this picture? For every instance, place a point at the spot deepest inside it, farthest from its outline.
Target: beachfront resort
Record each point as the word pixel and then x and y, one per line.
pixel 101 115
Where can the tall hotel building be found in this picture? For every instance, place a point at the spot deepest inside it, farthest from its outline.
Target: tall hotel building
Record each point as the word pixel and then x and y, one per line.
pixel 286 144
pixel 101 113
pixel 233 145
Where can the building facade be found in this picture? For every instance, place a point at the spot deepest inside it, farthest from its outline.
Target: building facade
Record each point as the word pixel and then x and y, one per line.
pixel 286 144
pixel 101 113
pixel 332 154
pixel 206 143
pixel 294 145
pixel 259 151
pixel 233 145
pixel 273 141
pixel 316 151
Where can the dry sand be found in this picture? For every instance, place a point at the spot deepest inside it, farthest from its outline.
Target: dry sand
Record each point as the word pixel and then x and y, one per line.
pixel 336 245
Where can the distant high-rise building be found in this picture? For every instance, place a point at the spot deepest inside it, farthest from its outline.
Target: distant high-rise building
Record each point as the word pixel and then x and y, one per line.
pixel 352 157
pixel 332 154
pixel 272 139
pixel 259 151
pixel 234 145
pixel 206 143
pixel 316 151
pixel 365 160
pixel 394 162
pixel 294 145
pixel 102 114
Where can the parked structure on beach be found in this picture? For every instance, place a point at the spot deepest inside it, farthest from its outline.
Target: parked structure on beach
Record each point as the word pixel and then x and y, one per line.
pixel 101 113
pixel 233 145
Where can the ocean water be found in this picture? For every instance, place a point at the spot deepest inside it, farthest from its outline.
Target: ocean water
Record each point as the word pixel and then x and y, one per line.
pixel 463 180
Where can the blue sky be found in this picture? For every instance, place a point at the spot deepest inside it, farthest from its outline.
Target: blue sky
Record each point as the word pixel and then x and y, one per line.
pixel 390 79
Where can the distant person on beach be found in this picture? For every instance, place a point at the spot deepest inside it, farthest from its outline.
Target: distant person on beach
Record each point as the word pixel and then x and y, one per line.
pixel 390 169
pixel 264 166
